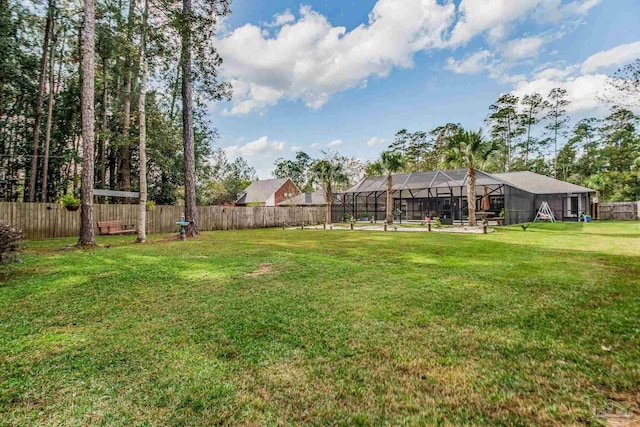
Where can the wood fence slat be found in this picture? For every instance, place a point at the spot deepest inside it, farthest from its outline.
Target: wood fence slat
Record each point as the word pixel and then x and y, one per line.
pixel 37 222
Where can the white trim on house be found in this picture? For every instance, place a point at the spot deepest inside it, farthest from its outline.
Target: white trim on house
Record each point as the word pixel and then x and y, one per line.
pixel 271 200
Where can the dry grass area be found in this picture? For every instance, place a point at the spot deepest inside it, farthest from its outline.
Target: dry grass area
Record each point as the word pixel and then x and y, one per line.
pixel 273 327
pixel 262 269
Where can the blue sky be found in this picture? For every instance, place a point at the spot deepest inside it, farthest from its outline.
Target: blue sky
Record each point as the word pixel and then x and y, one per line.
pixel 346 75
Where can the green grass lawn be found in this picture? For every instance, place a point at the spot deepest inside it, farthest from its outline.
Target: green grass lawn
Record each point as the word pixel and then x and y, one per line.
pixel 325 327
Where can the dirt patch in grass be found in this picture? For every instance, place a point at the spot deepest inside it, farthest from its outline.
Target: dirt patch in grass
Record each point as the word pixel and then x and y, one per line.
pixel 262 270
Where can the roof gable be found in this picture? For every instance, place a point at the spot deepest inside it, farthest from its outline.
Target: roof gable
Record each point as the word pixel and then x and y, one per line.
pixel 260 191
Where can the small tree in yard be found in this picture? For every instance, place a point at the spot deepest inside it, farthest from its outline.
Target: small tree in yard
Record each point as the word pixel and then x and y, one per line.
pixel 328 174
pixel 469 150
pixel 10 242
pixel 390 162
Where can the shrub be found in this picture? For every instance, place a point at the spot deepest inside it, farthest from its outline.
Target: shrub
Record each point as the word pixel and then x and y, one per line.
pixel 150 204
pixel 10 242
pixel 69 200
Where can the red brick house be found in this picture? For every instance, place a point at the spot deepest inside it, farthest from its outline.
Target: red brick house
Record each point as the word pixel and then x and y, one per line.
pixel 268 192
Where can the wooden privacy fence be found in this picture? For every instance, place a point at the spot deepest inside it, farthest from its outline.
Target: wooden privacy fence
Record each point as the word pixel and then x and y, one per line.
pixel 619 210
pixel 45 220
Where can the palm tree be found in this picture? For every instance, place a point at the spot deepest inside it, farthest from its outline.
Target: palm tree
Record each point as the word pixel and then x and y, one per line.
pixel 328 174
pixel 390 162
pixel 469 150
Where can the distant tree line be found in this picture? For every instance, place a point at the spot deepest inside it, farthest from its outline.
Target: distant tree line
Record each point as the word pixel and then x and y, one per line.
pixel 532 133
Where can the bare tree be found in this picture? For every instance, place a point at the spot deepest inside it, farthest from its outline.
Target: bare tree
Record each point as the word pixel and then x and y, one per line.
pixel 87 234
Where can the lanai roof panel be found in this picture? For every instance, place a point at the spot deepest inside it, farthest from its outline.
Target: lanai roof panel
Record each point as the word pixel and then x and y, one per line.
pixel 423 180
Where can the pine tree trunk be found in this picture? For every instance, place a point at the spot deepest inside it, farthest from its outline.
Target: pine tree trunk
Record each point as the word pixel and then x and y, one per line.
pixel 113 168
pixel 191 213
pixel 471 195
pixel 389 199
pixel 124 167
pixel 528 144
pixel 87 235
pixel 47 134
pixel 555 148
pixel 174 95
pixel 329 200
pixel 508 145
pixel 33 171
pixel 142 210
pixel 103 143
pixel 125 149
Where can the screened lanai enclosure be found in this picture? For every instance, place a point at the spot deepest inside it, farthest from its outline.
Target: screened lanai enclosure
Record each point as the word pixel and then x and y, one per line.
pixel 443 194
pixel 420 195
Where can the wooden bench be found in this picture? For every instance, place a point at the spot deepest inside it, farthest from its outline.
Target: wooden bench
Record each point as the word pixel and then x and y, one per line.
pixel 499 220
pixel 114 227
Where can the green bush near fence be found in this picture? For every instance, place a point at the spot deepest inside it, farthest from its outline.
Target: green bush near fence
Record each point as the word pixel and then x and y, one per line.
pixel 340 327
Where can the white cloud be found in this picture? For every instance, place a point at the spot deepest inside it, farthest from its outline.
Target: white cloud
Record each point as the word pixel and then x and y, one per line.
pixel 553 73
pixel 478 16
pixel 295 148
pixel 581 7
pixel 335 143
pixel 261 154
pixel 616 56
pixel 524 48
pixel 501 59
pixel 251 96
pixel 309 59
pixel 279 19
pixel 471 64
pixel 585 87
pixel 314 145
pixel 376 141
pixel 582 91
pixel 497 16
pixel 262 146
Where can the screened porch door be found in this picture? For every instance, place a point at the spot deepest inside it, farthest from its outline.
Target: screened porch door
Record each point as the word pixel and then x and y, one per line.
pixel 445 208
pixel 572 206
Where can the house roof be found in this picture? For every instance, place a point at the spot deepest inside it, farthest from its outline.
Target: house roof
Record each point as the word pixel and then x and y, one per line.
pixel 316 198
pixel 540 184
pixel 422 180
pixel 455 178
pixel 259 191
